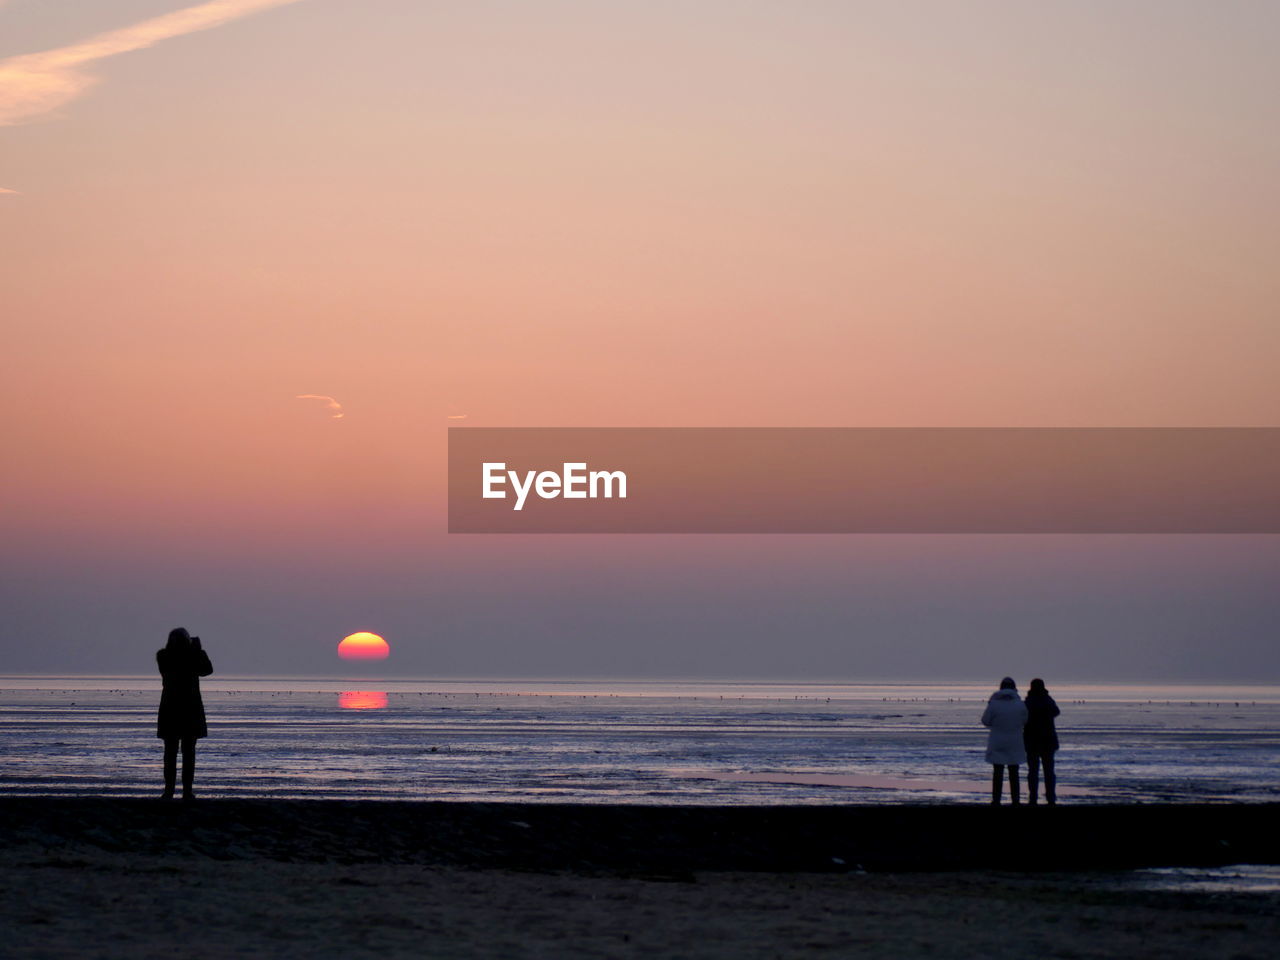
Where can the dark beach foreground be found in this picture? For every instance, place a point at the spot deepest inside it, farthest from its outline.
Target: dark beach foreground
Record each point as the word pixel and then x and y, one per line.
pixel 651 838
pixel 221 878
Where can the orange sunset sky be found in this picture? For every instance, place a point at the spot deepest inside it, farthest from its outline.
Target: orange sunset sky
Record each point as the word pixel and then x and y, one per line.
pixel 573 213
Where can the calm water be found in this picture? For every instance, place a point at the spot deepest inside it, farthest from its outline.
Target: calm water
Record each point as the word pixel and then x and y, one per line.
pixel 660 743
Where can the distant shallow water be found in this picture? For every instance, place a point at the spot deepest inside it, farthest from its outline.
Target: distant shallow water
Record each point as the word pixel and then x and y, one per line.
pixel 1239 878
pixel 633 742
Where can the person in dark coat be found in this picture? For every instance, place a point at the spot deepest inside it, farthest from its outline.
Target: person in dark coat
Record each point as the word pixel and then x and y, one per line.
pixel 1041 741
pixel 182 663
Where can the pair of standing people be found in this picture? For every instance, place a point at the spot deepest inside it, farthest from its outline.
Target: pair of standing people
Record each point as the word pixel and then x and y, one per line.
pixel 1021 732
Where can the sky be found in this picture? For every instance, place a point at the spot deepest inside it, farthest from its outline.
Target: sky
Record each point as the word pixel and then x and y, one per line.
pixel 257 256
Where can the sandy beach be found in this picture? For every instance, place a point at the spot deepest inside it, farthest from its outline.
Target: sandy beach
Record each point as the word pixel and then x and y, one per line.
pixel 154 906
pixel 84 877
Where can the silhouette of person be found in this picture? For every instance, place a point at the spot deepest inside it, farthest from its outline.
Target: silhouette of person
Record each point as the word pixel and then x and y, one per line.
pixel 1041 740
pixel 182 663
pixel 1006 715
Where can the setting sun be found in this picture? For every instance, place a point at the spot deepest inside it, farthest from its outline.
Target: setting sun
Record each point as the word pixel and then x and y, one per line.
pixel 363 646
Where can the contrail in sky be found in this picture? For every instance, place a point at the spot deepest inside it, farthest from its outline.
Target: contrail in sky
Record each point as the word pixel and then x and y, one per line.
pixel 331 403
pixel 33 84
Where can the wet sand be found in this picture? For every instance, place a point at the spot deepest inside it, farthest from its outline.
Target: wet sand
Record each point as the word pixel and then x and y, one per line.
pixel 548 836
pixel 954 786
pixel 117 878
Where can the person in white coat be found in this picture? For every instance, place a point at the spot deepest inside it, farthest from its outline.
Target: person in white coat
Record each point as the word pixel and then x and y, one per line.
pixel 1006 715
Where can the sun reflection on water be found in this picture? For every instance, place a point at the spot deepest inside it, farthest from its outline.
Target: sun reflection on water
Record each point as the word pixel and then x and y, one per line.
pixel 362 700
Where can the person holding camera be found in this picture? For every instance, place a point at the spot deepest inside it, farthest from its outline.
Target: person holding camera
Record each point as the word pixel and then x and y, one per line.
pixel 181 722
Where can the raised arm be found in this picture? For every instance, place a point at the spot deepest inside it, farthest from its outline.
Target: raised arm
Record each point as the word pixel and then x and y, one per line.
pixel 201 662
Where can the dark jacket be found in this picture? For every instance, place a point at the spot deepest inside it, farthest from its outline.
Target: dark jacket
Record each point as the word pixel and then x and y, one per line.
pixel 181 709
pixel 1039 735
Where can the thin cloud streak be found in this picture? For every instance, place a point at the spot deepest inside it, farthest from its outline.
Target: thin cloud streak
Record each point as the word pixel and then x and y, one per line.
pixel 331 403
pixel 34 84
pixel 7 190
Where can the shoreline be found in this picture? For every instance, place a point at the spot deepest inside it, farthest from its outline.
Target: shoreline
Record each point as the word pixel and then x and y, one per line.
pixel 635 838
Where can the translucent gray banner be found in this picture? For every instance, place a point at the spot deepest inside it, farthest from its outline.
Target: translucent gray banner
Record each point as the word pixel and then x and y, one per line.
pixel 864 480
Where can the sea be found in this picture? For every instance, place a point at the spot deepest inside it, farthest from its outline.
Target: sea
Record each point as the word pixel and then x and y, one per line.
pixel 646 742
